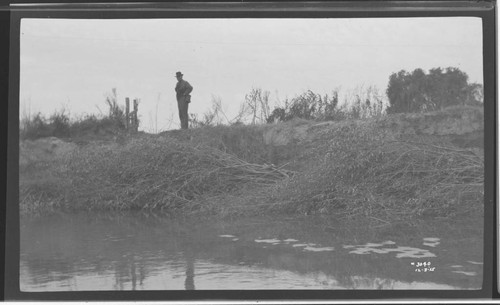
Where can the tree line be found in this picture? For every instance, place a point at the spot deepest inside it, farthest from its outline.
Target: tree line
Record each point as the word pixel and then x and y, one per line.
pixel 418 91
pixel 407 92
pixel 415 91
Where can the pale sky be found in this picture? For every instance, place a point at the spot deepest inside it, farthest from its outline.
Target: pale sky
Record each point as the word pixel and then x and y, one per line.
pixel 73 63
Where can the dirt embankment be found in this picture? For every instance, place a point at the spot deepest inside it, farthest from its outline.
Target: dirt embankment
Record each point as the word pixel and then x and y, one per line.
pixel 407 164
pixel 463 125
pixel 43 149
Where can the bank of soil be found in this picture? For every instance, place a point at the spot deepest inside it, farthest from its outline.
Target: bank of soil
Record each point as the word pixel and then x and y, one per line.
pixel 404 165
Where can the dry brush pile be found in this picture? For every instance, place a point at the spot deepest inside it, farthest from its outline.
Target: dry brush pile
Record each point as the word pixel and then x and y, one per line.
pixel 386 175
pixel 159 173
pixel 348 168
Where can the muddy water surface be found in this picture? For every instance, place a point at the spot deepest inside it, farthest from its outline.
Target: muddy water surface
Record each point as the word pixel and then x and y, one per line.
pixel 132 251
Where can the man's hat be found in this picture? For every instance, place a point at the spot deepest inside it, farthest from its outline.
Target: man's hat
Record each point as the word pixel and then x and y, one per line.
pixel 178 74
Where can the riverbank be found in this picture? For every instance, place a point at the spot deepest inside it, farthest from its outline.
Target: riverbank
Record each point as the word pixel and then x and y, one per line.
pixel 398 166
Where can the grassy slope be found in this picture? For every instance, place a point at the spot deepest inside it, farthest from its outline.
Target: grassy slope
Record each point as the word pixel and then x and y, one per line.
pixel 398 166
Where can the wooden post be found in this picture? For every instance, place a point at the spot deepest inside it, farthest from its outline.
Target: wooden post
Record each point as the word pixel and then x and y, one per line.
pixel 136 123
pixel 127 112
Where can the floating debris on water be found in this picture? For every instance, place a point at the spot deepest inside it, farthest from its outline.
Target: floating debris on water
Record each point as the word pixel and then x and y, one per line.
pixel 318 249
pixel 304 245
pixel 401 251
pixel 430 244
pixel 413 252
pixel 471 273
pixel 388 242
pixel 431 241
pixel 373 245
pixel 370 245
pixel 268 241
pixel 368 250
pixel 114 239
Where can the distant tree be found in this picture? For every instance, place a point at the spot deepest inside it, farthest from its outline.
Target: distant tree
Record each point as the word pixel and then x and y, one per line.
pixel 420 92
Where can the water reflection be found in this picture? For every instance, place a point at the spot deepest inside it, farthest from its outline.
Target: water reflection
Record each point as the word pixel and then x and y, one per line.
pixel 141 252
pixel 189 283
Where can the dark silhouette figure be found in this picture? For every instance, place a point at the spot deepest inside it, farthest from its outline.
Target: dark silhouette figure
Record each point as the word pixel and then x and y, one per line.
pixel 183 90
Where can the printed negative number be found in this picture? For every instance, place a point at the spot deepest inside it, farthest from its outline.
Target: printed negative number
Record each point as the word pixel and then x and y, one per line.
pixel 421 264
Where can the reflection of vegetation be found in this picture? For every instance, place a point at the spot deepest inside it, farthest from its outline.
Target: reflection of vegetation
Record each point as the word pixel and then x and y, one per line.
pixel 129 271
pixel 131 248
pixel 64 249
pixel 189 282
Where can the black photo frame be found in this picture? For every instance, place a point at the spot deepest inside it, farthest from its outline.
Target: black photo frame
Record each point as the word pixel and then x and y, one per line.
pixel 10 17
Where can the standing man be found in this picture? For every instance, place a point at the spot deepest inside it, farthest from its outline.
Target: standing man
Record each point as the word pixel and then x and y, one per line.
pixel 183 90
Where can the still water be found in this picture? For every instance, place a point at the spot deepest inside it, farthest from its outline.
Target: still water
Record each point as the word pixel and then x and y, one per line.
pixel 133 251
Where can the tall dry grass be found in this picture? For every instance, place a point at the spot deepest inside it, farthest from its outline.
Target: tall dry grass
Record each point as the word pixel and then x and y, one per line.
pixel 386 175
pixel 159 173
pixel 357 167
